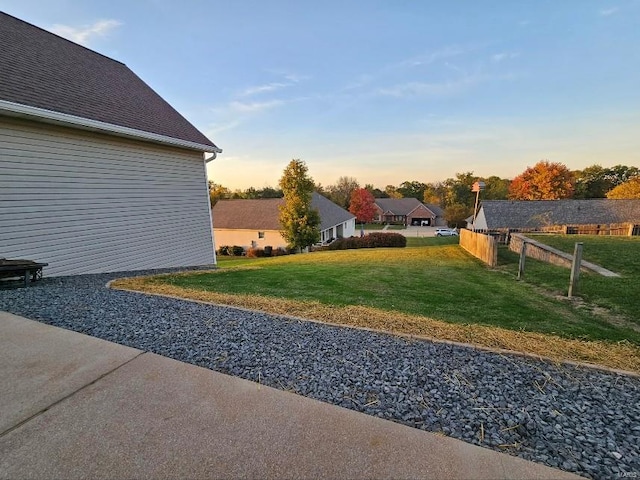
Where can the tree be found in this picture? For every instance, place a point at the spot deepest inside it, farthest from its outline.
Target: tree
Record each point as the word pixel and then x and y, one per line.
pixel 435 193
pixel 544 181
pixel 376 192
pixel 456 215
pixel 592 182
pixel 340 193
pixel 362 205
pixel 628 189
pixel 459 189
pixel 621 174
pixel 392 192
pixel 496 188
pixel 218 192
pixel 299 221
pixel 595 181
pixel 412 189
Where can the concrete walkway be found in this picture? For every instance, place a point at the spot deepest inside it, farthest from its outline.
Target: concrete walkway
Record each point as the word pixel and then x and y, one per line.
pixel 73 406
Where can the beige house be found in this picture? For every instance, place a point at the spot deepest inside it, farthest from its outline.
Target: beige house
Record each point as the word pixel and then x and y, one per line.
pixel 97 172
pixel 255 223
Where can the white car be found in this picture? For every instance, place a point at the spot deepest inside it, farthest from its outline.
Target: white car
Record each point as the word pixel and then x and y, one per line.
pixel 446 232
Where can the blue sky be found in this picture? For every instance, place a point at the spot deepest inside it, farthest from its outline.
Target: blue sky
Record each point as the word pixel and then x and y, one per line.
pixel 383 91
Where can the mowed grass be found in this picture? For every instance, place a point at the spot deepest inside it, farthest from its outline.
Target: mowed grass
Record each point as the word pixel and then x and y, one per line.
pixel 621 296
pixel 434 289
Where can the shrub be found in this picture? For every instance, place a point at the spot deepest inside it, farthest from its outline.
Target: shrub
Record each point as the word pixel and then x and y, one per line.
pixel 237 251
pixel 224 250
pixel 255 253
pixel 278 252
pixel 372 240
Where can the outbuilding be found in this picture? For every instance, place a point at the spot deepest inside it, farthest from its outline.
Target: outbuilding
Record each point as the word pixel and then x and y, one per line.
pixel 97 172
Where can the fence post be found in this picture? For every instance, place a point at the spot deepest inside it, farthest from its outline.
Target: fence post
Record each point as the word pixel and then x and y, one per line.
pixel 523 255
pixel 575 269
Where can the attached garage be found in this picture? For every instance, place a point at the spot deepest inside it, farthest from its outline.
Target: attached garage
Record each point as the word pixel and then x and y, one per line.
pixel 97 172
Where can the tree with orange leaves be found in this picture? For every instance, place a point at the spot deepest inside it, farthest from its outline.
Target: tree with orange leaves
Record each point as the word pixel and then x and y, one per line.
pixel 361 205
pixel 544 181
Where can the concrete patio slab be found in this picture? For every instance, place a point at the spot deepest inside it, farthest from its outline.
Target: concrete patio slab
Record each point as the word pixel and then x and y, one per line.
pixel 153 417
pixel 41 364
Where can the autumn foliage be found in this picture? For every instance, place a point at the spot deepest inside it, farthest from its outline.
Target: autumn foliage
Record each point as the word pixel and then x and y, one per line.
pixel 362 205
pixel 544 181
pixel 629 189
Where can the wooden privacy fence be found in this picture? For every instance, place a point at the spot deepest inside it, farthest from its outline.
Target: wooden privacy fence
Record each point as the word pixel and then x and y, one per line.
pixel 481 246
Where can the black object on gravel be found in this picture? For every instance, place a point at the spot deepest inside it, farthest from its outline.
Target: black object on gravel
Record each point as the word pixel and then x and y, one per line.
pixel 573 418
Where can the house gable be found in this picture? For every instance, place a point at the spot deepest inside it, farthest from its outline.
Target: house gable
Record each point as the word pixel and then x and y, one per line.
pixel 51 79
pixel 100 174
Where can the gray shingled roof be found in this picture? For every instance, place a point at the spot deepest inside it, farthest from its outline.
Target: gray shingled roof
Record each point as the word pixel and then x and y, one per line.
pixel 263 214
pixel 40 69
pixel 502 214
pixel 400 206
pixel 436 209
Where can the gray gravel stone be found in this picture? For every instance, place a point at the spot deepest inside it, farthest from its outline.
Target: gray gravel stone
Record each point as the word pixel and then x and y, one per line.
pixel 575 423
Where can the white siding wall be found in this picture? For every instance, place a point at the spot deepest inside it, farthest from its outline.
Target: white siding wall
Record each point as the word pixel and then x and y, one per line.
pixel 91 203
pixel 349 228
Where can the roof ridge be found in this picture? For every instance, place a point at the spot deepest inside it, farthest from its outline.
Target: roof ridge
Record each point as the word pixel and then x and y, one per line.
pixel 64 38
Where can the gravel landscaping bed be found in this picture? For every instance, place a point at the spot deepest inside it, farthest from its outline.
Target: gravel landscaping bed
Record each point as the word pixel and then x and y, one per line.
pixel 577 419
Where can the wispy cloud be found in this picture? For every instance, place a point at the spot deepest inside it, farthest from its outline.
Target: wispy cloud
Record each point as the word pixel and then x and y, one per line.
pixel 85 34
pixel 608 11
pixel 216 128
pixel 254 107
pixel 431 57
pixel 423 89
pixel 499 57
pixel 440 89
pixel 269 87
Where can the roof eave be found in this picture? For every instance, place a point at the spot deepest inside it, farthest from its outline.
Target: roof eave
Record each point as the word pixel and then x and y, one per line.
pixel 57 118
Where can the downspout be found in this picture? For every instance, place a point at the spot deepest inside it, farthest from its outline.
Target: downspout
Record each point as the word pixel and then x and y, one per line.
pixel 213 237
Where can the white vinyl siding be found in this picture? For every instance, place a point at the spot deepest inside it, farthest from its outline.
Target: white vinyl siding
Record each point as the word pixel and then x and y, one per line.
pixel 92 203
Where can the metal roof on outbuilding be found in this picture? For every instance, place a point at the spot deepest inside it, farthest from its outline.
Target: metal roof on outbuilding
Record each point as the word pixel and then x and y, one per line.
pixel 501 214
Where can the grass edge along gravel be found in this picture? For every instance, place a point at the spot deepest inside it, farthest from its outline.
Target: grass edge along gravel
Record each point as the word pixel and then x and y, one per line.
pixel 614 355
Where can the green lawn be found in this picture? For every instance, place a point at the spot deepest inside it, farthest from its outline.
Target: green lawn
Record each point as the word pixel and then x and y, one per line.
pixel 433 277
pixel 619 254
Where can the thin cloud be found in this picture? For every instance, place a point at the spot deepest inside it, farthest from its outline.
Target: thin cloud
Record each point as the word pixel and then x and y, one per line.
pixel 441 89
pixel 222 127
pixel 499 57
pixel 366 79
pixel 84 35
pixel 269 87
pixel 608 11
pixel 288 75
pixel 423 89
pixel 253 107
pixel 431 57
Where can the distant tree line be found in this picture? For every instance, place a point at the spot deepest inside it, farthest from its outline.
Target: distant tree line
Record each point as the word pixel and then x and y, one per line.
pixel 544 181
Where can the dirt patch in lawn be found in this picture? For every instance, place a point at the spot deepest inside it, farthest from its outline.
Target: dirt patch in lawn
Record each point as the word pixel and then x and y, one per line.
pixel 616 355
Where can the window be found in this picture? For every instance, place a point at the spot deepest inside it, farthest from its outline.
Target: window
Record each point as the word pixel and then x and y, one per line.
pixel 260 234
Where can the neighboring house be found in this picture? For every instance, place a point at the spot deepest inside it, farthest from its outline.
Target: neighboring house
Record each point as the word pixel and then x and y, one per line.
pixel 255 223
pixel 408 211
pixel 541 214
pixel 98 172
